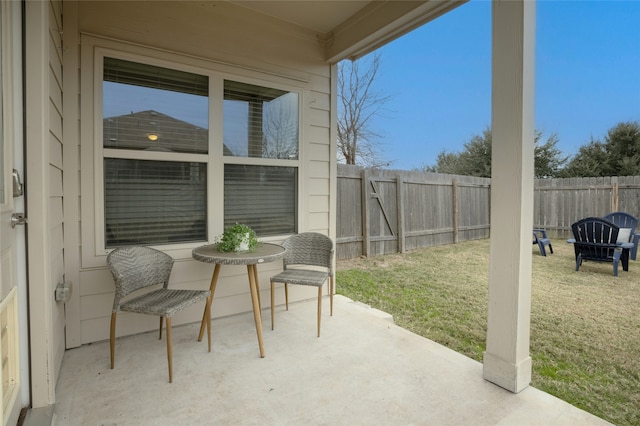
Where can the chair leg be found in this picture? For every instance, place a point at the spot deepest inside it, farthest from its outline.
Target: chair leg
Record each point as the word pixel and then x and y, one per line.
pixel 169 350
pixel 319 308
pixel 272 288
pixel 112 341
pixel 541 247
pixel 624 258
pixel 160 337
pixel 286 296
pixel 550 248
pixel 616 260
pixel 331 291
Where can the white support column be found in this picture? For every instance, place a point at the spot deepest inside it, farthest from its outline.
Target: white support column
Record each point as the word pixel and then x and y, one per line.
pixel 506 361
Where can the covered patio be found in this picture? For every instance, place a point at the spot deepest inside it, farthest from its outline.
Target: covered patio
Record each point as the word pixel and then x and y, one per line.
pixel 362 370
pixel 64 55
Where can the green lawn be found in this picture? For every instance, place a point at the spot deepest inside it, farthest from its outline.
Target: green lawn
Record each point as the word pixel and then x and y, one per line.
pixel 585 326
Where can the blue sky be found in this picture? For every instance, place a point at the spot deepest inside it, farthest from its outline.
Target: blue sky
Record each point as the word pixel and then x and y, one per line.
pixel 438 78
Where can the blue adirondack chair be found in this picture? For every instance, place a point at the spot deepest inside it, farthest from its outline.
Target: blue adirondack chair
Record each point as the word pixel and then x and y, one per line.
pixel 540 238
pixel 626 221
pixel 596 239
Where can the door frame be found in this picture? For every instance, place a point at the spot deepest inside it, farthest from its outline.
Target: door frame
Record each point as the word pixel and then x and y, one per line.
pixel 16 298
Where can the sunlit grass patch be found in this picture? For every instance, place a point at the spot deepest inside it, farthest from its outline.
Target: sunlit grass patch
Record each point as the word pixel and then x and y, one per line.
pixel 585 325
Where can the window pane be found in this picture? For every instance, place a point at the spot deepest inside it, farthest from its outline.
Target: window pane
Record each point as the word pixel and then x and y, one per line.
pixel 154 202
pixel 262 197
pixel 260 122
pixel 152 108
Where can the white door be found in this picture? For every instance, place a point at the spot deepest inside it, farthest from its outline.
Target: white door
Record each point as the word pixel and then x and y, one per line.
pixel 13 340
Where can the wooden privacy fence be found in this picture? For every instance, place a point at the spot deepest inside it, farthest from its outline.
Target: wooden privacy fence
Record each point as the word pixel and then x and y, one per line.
pixel 388 211
pixel 560 202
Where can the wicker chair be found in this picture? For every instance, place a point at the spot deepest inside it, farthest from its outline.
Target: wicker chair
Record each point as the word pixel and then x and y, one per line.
pixel 135 268
pixel 308 261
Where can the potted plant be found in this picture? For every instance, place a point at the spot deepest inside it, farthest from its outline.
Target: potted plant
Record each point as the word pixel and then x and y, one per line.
pixel 238 237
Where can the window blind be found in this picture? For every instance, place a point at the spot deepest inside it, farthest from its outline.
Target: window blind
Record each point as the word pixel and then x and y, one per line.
pixel 154 202
pixel 138 74
pixel 262 197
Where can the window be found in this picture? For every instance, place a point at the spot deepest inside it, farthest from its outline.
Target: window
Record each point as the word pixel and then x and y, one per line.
pixel 154 202
pixel 262 197
pixel 153 118
pixel 160 158
pixel 261 123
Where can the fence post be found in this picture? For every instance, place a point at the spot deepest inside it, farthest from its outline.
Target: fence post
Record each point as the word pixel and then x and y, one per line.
pixel 454 197
pixel 366 229
pixel 614 196
pixel 400 203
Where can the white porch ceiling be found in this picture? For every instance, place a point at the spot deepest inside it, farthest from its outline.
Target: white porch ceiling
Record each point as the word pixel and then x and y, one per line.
pixel 351 29
pixel 319 16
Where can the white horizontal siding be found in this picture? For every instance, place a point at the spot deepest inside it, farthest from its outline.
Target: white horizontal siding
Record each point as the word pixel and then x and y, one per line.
pixel 230 40
pixel 55 172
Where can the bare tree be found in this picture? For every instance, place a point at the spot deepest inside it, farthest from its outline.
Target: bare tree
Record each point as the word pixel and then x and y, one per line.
pixel 280 127
pixel 358 103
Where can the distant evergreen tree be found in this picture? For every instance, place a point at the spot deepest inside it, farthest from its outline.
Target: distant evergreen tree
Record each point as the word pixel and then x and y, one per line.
pixel 548 160
pixel 618 155
pixel 475 159
pixel 590 160
pixel 446 163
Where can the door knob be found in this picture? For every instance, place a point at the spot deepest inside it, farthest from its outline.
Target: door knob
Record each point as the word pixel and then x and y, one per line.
pixel 18 219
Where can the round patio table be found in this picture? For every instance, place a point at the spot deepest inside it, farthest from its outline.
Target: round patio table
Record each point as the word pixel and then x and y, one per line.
pixel 263 253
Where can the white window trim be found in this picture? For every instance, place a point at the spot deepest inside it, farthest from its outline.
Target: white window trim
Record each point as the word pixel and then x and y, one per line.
pixel 94 49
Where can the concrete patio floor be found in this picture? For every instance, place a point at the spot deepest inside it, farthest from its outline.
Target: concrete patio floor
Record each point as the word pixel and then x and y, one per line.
pixel 362 370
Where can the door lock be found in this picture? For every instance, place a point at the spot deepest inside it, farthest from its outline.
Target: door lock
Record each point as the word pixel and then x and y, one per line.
pixel 18 187
pixel 18 219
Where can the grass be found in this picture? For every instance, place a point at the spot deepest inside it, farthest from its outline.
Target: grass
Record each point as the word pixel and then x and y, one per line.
pixel 585 325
